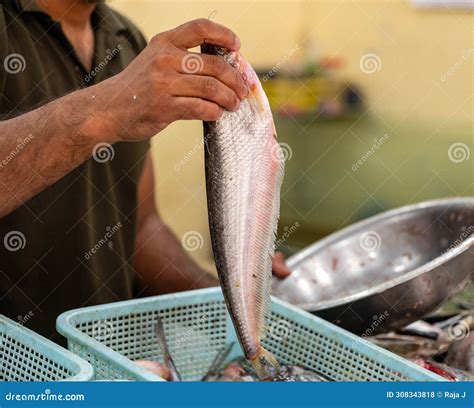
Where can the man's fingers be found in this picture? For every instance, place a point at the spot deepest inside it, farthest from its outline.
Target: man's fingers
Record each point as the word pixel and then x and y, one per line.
pixel 206 87
pixel 279 267
pixel 201 31
pixel 195 108
pixel 212 65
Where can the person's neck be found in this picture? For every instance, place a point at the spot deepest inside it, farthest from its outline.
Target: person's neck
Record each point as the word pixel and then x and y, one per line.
pixel 74 13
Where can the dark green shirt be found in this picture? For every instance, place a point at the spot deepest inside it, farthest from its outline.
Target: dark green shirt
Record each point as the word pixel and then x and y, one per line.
pixel 72 244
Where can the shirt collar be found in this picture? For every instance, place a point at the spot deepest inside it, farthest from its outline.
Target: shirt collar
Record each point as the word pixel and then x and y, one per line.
pixel 28 6
pixel 103 16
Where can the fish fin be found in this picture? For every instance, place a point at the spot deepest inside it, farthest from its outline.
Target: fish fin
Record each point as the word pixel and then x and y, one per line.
pixel 274 210
pixel 265 233
pixel 218 361
pixel 255 105
pixel 162 343
pixel 265 364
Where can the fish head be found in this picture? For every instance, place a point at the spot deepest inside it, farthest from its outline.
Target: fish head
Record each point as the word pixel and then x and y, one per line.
pixel 256 96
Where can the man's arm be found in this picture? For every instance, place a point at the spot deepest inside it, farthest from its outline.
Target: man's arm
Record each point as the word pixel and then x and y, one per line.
pixel 156 89
pixel 161 263
pixel 40 147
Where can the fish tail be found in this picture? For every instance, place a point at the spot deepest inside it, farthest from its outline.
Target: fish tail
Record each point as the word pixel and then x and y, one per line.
pixel 265 364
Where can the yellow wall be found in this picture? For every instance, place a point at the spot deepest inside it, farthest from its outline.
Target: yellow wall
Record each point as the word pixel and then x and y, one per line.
pixel 416 49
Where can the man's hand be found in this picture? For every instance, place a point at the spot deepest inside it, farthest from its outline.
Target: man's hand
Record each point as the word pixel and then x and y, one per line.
pixel 163 84
pixel 279 267
pixel 166 83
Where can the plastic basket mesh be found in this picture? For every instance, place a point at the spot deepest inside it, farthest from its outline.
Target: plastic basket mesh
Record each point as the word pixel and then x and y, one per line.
pixel 295 343
pixel 195 333
pixel 20 362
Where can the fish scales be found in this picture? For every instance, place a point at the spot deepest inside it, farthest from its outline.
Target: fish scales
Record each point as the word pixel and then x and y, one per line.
pixel 244 172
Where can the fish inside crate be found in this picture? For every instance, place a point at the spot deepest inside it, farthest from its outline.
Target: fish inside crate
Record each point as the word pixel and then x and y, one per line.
pixel 197 327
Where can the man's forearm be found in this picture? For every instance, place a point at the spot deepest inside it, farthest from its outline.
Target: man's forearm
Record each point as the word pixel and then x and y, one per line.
pixel 162 265
pixel 41 146
pixel 152 92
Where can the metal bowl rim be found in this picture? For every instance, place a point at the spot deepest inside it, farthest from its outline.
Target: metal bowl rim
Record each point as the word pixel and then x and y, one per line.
pixel 362 225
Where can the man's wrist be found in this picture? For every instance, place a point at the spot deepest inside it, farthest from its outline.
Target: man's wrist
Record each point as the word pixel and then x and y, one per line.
pixel 100 125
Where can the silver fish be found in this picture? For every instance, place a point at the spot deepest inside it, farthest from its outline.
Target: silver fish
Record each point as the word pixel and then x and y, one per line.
pixel 244 172
pixel 294 373
pixel 461 353
pixel 409 346
pixel 217 363
pixel 239 370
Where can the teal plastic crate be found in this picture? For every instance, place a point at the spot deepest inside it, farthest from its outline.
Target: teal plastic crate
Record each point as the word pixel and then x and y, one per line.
pixel 197 326
pixel 27 356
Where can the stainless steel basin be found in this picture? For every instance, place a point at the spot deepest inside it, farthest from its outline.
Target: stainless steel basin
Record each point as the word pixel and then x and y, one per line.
pixel 387 271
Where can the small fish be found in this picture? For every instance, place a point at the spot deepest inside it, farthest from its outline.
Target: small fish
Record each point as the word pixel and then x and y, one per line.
pixel 291 373
pixel 240 370
pixel 409 346
pixel 461 353
pixel 463 321
pixel 244 172
pixel 217 363
pixel 424 329
pixel 295 373
pixel 160 335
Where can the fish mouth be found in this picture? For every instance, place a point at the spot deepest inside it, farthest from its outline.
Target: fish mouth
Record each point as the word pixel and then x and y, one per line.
pixel 252 353
pixel 266 365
